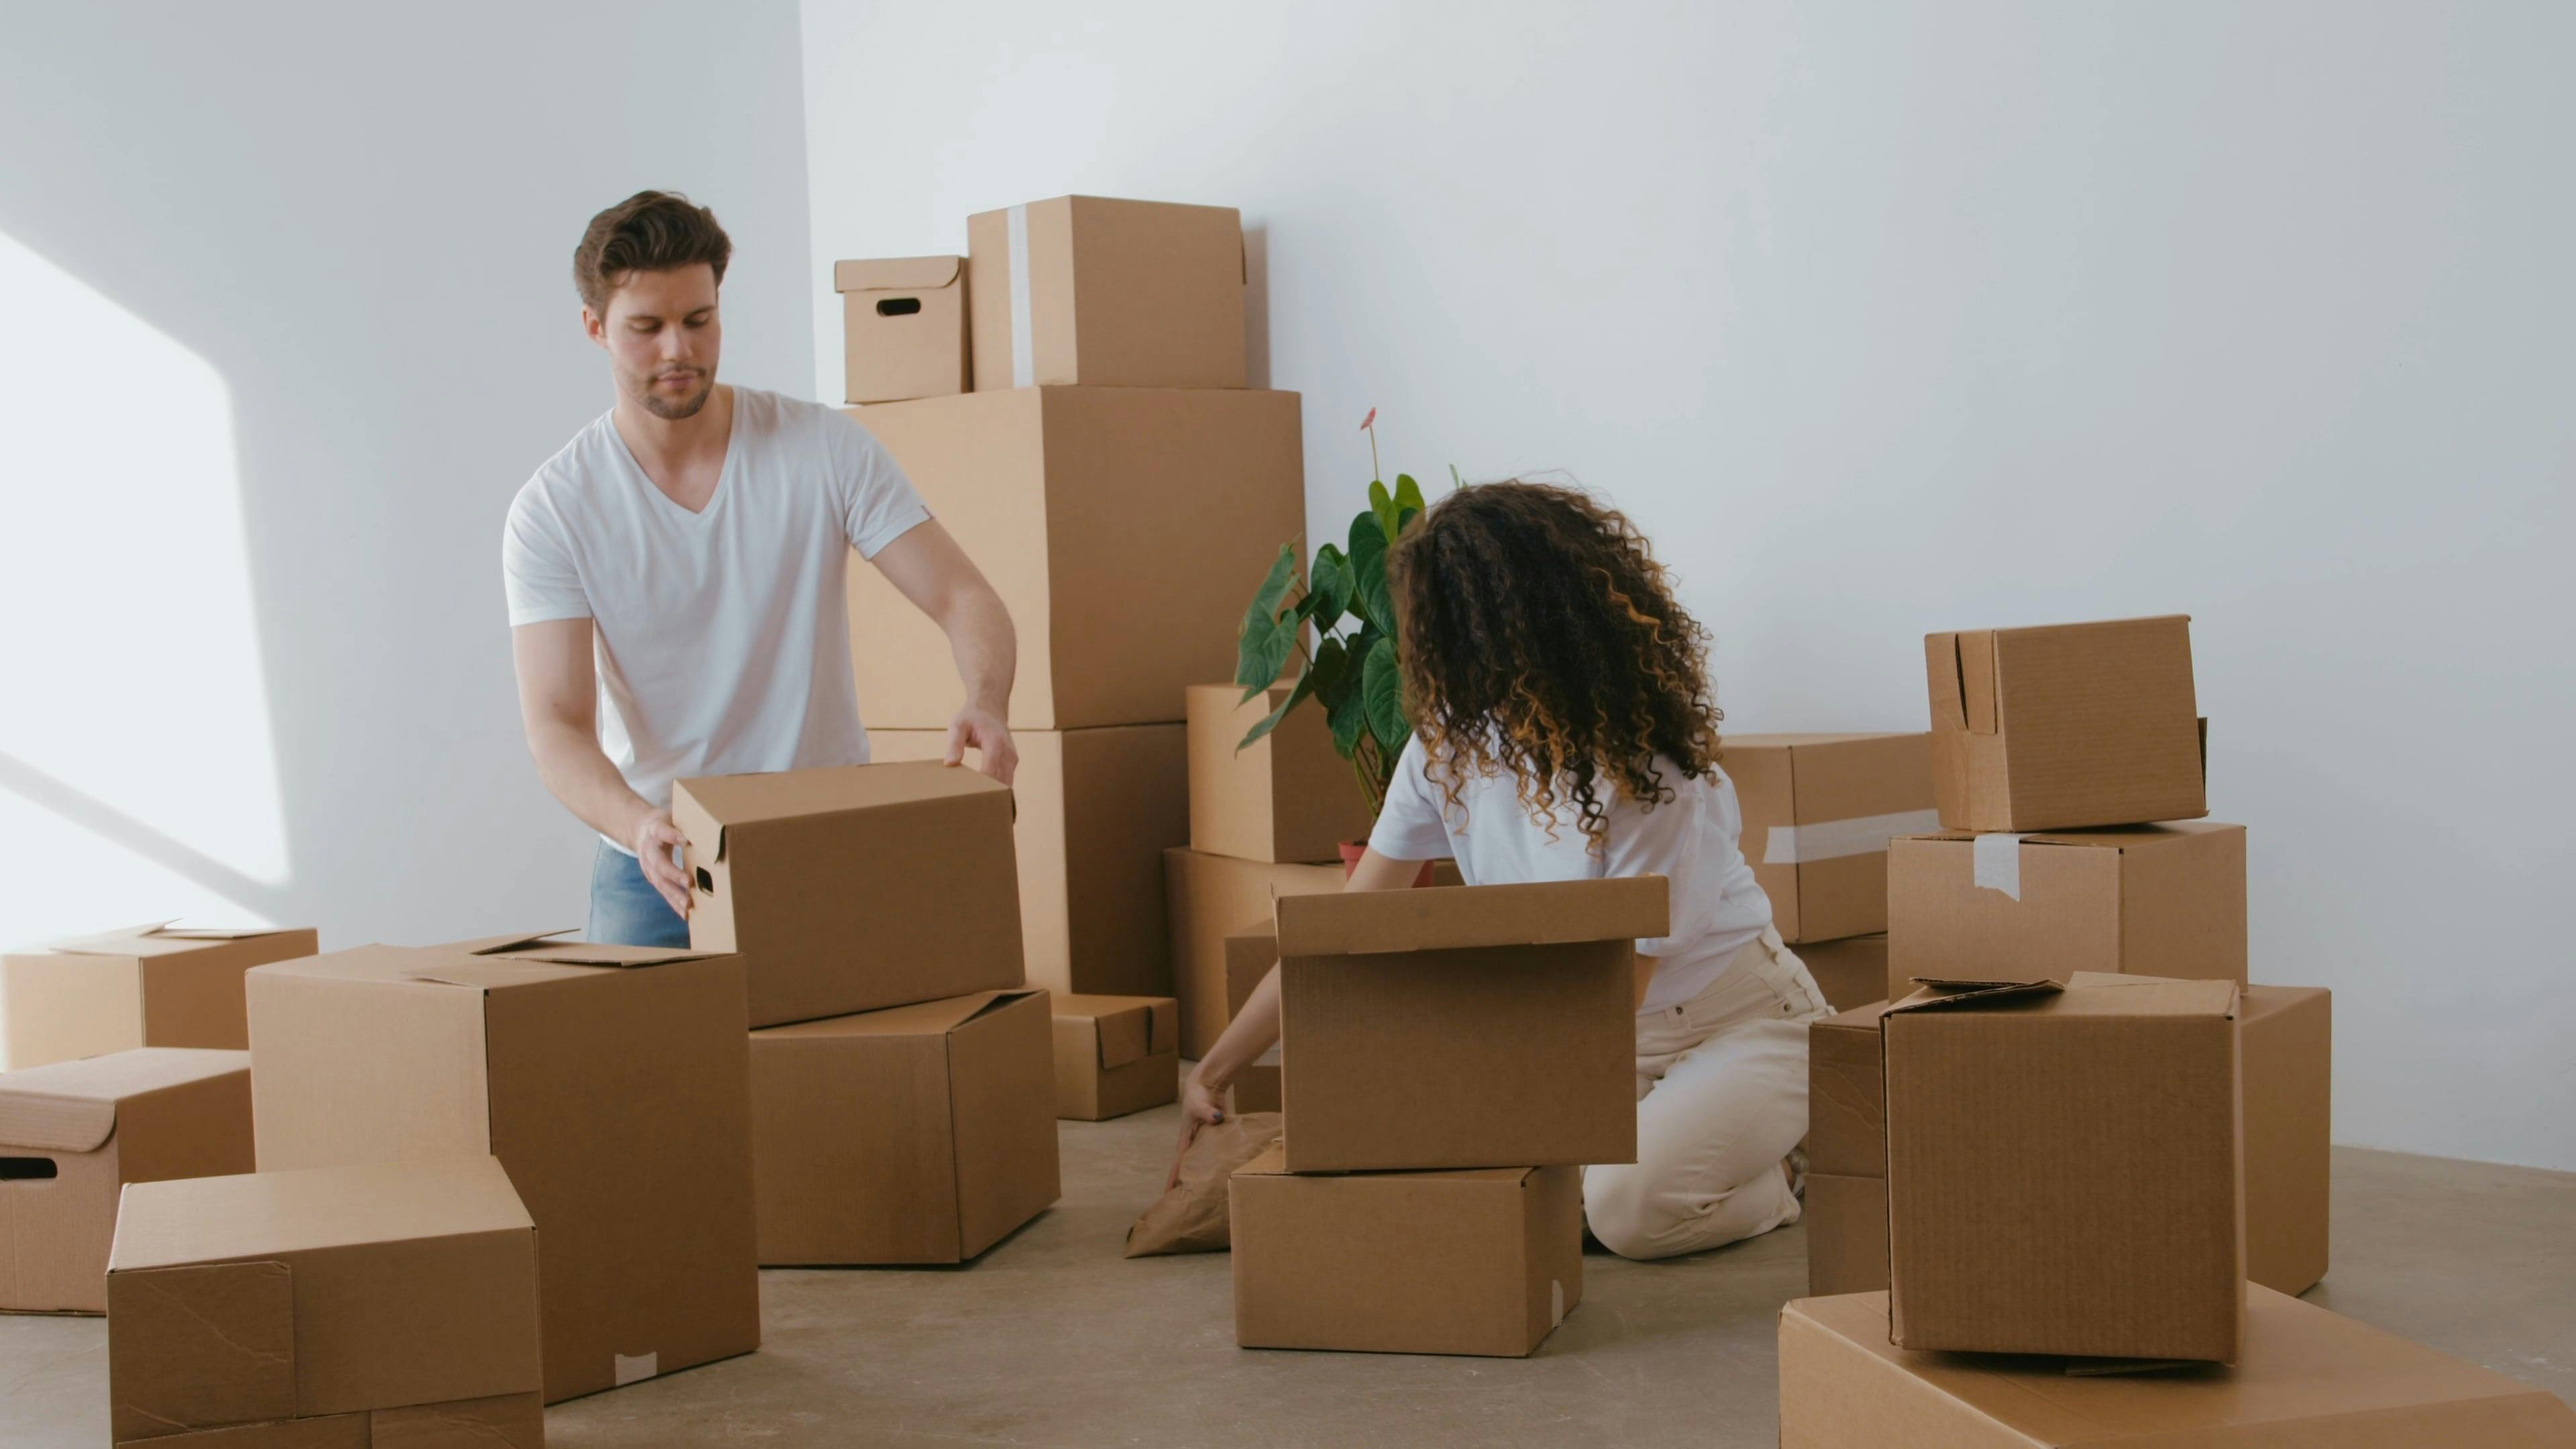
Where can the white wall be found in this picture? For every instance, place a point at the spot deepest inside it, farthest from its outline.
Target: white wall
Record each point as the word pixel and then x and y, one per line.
pixel 1884 318
pixel 286 316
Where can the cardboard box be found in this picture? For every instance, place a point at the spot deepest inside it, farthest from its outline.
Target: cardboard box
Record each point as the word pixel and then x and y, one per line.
pixel 2064 1172
pixel 856 888
pixel 1846 1094
pixel 2149 900
pixel 1482 1261
pixel 1257 1088
pixel 1211 897
pixel 1502 1018
pixel 1285 797
pixel 611 1081
pixel 2308 1379
pixel 1818 813
pixel 145 986
pixel 1249 955
pixel 920 1134
pixel 2066 726
pixel 1851 972
pixel 1096 811
pixel 1115 1055
pixel 1100 292
pixel 1846 1222
pixel 72 1134
pixel 1125 529
pixel 345 1292
pixel 903 327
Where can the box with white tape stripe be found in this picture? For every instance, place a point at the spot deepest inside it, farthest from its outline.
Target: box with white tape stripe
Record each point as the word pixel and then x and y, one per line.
pixel 1092 291
pixel 1819 810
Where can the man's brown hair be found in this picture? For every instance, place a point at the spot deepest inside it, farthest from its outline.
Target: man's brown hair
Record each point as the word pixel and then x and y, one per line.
pixel 651 231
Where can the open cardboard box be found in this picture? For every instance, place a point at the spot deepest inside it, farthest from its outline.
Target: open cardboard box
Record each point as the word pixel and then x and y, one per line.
pixel 1819 810
pixel 161 985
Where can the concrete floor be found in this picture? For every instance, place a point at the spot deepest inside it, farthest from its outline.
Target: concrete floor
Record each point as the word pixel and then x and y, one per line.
pixel 1053 1339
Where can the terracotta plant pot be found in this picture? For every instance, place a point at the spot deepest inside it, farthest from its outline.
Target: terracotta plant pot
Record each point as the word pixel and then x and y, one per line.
pixel 1352 850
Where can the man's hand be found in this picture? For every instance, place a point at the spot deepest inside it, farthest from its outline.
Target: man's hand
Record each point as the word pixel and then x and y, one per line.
pixel 654 839
pixel 982 731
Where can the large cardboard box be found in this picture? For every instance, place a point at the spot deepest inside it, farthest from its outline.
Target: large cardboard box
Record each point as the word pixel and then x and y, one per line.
pixel 72 1134
pixel 155 986
pixel 1101 292
pixel 1481 1261
pixel 1115 1055
pixel 1851 972
pixel 2065 726
pixel 386 1304
pixel 1287 796
pixel 1096 811
pixel 1125 528
pixel 919 1134
pixel 2308 1379
pixel 1248 958
pixel 611 1081
pixel 903 327
pixel 1846 1223
pixel 2064 1172
pixel 854 888
pixel 1845 1209
pixel 2150 900
pixel 1818 813
pixel 1211 897
pixel 1503 1018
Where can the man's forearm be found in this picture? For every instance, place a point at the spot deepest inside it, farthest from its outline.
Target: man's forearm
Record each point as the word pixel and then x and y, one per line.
pixel 579 774
pixel 985 647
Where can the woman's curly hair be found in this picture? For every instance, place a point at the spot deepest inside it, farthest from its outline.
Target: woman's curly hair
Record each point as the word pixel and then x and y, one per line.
pixel 1542 638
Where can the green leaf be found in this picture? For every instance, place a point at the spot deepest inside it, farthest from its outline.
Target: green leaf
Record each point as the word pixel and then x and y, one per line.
pixel 1454 480
pixel 1349 719
pixel 1329 671
pixel 1367 581
pixel 1296 696
pixel 1261 648
pixel 1408 494
pixel 1382 508
pixel 1382 690
pixel 1379 498
pixel 1404 520
pixel 1329 586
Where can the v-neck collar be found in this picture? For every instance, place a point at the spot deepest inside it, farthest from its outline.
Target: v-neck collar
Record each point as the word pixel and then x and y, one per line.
pixel 724 472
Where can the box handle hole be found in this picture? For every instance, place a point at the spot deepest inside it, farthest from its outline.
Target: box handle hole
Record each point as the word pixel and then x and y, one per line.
pixel 706 882
pixel 898 306
pixel 25 1169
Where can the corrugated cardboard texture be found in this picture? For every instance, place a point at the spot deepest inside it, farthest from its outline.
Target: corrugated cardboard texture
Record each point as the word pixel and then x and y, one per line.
pixel 1115 1055
pixel 2064 1174
pixel 1851 972
pixel 1211 897
pixel 851 889
pixel 2160 900
pixel 903 328
pixel 1514 1045
pixel 1096 810
pixel 512 1421
pixel 1286 797
pixel 163 986
pixel 1846 1112
pixel 1256 1088
pixel 2309 1379
pixel 1846 1222
pixel 1474 1262
pixel 1808 803
pixel 2065 726
pixel 336 1431
pixel 1054 492
pixel 919 1134
pixel 1121 294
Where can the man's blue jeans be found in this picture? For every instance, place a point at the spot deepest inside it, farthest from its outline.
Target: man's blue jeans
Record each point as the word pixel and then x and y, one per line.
pixel 625 910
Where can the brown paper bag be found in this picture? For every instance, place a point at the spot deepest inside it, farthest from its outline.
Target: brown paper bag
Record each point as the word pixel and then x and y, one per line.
pixel 1191 1217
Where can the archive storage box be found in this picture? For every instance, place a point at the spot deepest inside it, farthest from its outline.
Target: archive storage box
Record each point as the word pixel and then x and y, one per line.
pixel 1818 813
pixel 903 327
pixel 1115 1055
pixel 157 986
pixel 2151 900
pixel 1100 292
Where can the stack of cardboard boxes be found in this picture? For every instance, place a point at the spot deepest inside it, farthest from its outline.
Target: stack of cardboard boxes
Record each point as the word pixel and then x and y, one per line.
pixel 1819 811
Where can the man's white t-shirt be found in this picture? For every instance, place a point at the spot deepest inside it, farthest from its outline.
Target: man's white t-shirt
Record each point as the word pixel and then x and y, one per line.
pixel 1717 905
pixel 722 636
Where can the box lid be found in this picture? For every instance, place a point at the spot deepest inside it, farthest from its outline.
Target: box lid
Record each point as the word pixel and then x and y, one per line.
pixel 926 1018
pixel 2109 837
pixel 1964 695
pixel 2099 994
pixel 211 1219
pixel 71 1106
pixel 157 938
pixel 1128 1028
pixel 514 961
pixel 1446 918
pixel 736 800
pixel 882 274
pixel 1273 1162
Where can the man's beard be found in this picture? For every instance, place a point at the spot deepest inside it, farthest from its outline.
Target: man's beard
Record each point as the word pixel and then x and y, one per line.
pixel 672 411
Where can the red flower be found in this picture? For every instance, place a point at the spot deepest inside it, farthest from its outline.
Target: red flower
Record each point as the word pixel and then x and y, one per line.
pixel 1366 421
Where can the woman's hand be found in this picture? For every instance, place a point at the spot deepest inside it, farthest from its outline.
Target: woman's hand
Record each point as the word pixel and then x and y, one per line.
pixel 1199 1109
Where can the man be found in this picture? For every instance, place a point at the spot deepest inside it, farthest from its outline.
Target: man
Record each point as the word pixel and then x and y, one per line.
pixel 693 541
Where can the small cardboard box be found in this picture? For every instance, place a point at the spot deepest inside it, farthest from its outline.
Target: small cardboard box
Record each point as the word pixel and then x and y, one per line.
pixel 856 888
pixel 72 1134
pixel 1503 1018
pixel 1285 797
pixel 2065 727
pixel 1099 292
pixel 2064 1171
pixel 2149 900
pixel 1482 1261
pixel 1818 813
pixel 919 1134
pixel 611 1081
pixel 1846 1222
pixel 903 327
pixel 1096 811
pixel 1057 494
pixel 1115 1055
pixel 156 986
pixel 2308 1379
pixel 381 1299
pixel 1249 957
pixel 1851 972
pixel 1211 897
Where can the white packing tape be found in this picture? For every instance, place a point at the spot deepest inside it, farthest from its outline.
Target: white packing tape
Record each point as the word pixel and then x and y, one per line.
pixel 1024 350
pixel 1833 839
pixel 638 1368
pixel 1998 863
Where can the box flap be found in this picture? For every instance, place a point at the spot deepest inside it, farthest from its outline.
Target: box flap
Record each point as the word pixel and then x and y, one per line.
pixel 1127 1028
pixel 732 800
pixel 484 945
pixel 1941 993
pixel 201 1219
pixel 2108 837
pixel 71 1106
pixel 887 274
pixel 200 1346
pixel 927 1018
pixel 597 953
pixel 1446 918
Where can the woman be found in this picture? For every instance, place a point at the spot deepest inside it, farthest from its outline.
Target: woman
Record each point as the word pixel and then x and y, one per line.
pixel 1564 730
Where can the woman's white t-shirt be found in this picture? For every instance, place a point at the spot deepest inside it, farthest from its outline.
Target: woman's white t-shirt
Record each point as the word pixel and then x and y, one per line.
pixel 1717 906
pixel 722 636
